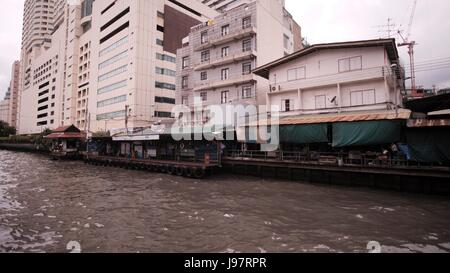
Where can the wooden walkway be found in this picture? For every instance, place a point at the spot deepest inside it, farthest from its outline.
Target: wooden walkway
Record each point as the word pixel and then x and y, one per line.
pixel 180 168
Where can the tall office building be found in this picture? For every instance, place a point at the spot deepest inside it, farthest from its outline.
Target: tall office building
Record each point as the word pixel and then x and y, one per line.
pixel 215 65
pixel 105 63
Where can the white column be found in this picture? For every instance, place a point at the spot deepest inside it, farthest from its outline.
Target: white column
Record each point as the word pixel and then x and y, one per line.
pixel 300 102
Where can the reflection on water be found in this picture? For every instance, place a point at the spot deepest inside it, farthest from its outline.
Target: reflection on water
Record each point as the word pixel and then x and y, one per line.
pixel 44 205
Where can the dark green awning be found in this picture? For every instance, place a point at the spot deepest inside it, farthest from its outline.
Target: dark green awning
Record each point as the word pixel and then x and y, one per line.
pixel 304 134
pixel 365 133
pixel 431 145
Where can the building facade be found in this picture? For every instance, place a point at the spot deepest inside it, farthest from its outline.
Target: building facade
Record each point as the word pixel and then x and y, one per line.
pixel 14 94
pixel 105 65
pixel 4 111
pixel 336 78
pixel 215 65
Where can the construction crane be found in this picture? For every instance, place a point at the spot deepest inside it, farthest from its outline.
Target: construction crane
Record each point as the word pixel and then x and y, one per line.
pixel 410 45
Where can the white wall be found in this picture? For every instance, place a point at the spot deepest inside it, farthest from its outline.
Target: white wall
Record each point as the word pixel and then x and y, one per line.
pixel 322 78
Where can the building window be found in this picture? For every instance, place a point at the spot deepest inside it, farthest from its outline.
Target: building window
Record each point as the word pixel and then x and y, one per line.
pixel 350 64
pixel 185 62
pixel 363 97
pixel 163 85
pixel 225 74
pixel 247 45
pixel 112 101
pixel 224 97
pixel 165 71
pixel 205 56
pixel 286 40
pixel 204 37
pixel 185 100
pixel 225 30
pixel 321 102
pixel 184 82
pixel 225 51
pixel 113 73
pixel 203 76
pixel 296 74
pixel 246 68
pixel 159 42
pixel 165 100
pixel 247 92
pixel 164 57
pixel 160 28
pixel 204 96
pixel 246 22
pixel 286 105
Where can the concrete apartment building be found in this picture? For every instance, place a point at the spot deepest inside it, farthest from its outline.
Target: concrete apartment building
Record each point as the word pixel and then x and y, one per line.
pixel 215 65
pixel 336 78
pixel 99 58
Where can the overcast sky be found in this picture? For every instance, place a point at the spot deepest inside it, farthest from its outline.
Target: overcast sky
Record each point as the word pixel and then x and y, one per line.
pixel 322 21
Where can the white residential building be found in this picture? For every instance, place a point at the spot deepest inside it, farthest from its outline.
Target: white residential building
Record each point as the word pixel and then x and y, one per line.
pixel 335 78
pixel 215 65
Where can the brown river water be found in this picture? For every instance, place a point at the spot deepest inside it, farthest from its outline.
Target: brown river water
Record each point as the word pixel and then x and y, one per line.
pixel 46 205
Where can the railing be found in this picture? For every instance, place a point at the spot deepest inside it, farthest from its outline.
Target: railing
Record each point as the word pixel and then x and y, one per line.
pixel 332 159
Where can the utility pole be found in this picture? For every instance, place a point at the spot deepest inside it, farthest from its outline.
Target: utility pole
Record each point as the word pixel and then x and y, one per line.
pixel 394 72
pixel 410 45
pixel 126 117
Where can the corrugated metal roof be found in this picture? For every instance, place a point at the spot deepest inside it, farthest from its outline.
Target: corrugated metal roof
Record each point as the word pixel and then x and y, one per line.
pixel 343 117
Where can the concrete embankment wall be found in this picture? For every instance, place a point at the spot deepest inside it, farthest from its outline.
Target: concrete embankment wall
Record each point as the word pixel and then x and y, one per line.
pixel 22 147
pixel 423 181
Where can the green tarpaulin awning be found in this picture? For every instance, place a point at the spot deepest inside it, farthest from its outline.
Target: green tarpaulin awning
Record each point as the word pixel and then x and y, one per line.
pixel 431 145
pixel 304 134
pixel 365 133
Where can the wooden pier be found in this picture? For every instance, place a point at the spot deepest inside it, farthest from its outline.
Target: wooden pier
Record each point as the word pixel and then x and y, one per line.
pixel 195 170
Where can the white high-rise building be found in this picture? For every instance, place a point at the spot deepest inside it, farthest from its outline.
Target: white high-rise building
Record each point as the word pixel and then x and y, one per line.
pixel 103 62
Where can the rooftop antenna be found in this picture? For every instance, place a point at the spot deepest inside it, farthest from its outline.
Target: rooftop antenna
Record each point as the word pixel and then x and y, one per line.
pixel 387 30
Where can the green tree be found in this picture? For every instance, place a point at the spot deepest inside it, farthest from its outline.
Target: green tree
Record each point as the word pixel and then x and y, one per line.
pixel 6 130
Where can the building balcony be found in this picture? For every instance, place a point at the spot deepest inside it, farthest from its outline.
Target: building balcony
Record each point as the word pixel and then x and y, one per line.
pixel 233 35
pixel 214 84
pixel 241 56
pixel 86 20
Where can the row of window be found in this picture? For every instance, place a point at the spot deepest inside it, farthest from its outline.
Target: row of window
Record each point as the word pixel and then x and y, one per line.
pixel 115 45
pixel 112 87
pixel 164 57
pixel 111 115
pixel 114 59
pixel 112 101
pixel 357 98
pixel 225 30
pixel 225 51
pixel 113 73
pixel 165 100
pixel 165 71
pixel 345 65
pixel 163 85
pixel 246 93
pixel 224 74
